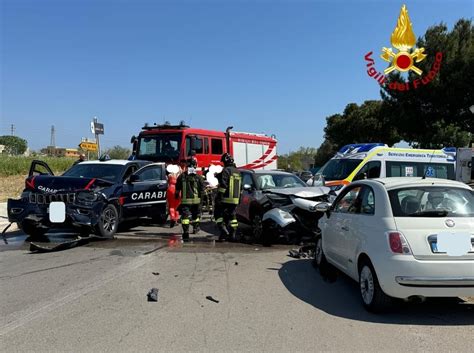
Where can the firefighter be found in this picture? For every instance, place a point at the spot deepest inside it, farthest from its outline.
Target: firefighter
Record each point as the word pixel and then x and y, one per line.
pixel 227 199
pixel 190 187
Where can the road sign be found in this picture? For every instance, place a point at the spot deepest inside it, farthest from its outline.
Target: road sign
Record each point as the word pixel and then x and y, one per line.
pixel 99 128
pixel 88 146
pixel 92 127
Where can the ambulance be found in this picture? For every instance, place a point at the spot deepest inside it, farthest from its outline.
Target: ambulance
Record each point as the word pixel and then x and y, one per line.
pixel 173 143
pixel 377 160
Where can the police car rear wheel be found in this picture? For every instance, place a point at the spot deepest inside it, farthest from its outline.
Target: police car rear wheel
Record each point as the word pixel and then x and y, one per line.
pixel 108 222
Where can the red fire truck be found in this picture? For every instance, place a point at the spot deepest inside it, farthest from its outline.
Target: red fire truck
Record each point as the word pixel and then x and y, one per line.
pixel 172 143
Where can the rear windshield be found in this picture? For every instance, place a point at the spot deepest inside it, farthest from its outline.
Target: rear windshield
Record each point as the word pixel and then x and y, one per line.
pixel 432 201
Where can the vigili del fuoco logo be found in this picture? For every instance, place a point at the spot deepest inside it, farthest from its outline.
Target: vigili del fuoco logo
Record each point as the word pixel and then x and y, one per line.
pixel 404 58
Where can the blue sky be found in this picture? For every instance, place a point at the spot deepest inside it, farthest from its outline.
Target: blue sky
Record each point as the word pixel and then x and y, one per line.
pixel 276 67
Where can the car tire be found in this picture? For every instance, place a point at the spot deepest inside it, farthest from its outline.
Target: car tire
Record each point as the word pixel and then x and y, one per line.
pixel 33 232
pixel 319 258
pixel 326 270
pixel 257 227
pixel 261 232
pixel 108 222
pixel 373 297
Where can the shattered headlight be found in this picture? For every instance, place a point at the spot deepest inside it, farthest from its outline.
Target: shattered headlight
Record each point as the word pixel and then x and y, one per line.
pixel 86 197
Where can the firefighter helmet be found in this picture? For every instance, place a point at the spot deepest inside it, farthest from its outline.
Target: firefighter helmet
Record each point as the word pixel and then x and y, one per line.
pixel 227 159
pixel 191 162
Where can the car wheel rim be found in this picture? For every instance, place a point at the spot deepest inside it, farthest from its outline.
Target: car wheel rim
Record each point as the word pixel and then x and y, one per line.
pixel 318 252
pixel 109 220
pixel 257 227
pixel 367 285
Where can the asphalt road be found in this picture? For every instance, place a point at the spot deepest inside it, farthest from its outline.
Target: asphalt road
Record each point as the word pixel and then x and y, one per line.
pixel 93 298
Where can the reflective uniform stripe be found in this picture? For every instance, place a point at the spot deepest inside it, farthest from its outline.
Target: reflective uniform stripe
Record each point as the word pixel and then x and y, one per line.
pixel 234 190
pixel 185 200
pixel 185 221
pixel 221 190
pixel 220 220
pixel 234 223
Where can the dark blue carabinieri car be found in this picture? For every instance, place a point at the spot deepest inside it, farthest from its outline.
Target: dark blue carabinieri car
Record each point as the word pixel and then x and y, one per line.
pixel 96 197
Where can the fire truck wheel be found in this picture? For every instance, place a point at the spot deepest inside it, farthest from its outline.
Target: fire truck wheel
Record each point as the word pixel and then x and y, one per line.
pixel 108 222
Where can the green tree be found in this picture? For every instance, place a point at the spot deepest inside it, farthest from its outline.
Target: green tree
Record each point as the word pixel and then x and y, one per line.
pixel 118 152
pixel 437 114
pixel 359 124
pixel 14 145
pixel 325 152
pixel 298 159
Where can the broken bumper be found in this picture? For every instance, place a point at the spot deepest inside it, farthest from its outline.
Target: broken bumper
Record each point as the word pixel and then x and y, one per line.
pixel 22 210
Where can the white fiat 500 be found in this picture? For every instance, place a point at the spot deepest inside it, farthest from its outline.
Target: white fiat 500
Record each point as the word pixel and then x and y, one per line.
pixel 401 238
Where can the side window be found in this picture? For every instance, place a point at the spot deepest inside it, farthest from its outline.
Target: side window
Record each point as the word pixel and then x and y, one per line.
pixel 151 173
pixel 130 170
pixel 370 169
pixel 206 145
pixel 368 201
pixel 350 202
pixel 373 170
pixel 247 179
pixel 199 148
pixel 216 146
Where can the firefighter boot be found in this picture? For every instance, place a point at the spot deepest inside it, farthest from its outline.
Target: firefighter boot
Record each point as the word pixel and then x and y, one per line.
pixel 233 230
pixel 196 226
pixel 223 233
pixel 185 224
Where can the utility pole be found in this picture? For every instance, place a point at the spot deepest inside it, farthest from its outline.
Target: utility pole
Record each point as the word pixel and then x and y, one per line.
pixel 52 142
pixel 12 130
pixel 97 137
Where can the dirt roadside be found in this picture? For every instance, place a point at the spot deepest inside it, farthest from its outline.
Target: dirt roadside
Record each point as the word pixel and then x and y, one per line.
pixel 11 186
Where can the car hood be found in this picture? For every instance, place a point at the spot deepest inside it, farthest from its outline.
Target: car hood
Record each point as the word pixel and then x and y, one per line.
pixel 303 192
pixel 54 184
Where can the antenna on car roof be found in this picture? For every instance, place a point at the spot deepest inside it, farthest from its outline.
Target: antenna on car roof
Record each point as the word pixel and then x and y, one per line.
pixel 429 162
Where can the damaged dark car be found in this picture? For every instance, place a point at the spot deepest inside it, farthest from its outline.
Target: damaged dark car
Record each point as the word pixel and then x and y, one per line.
pixel 92 197
pixel 278 205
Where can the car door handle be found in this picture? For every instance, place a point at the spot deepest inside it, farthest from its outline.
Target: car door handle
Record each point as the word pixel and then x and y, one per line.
pixel 345 228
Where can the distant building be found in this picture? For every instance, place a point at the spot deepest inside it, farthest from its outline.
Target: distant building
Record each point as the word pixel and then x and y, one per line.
pixel 61 152
pixel 2 148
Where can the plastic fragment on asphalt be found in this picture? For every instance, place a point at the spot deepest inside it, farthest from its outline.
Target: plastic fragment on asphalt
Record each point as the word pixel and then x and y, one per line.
pixel 304 252
pixel 212 299
pixel 4 235
pixel 153 295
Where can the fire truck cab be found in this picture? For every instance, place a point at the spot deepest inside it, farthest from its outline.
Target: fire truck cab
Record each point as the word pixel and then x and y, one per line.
pixel 173 143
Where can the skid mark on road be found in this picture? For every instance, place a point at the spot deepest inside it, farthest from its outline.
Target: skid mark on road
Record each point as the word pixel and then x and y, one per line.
pixel 55 267
pixel 55 304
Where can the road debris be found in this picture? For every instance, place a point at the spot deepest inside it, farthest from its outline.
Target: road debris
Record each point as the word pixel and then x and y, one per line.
pixel 212 299
pixel 39 248
pixel 155 273
pixel 153 295
pixel 4 235
pixel 236 263
pixel 304 252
